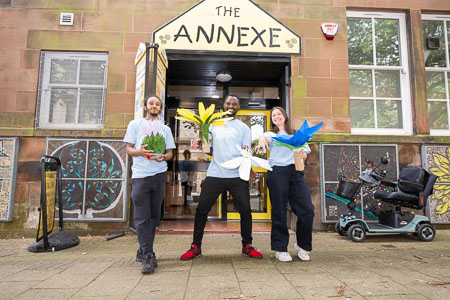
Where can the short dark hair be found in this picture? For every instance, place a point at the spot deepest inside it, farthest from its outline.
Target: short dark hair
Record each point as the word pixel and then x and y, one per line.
pixel 151 96
pixel 232 96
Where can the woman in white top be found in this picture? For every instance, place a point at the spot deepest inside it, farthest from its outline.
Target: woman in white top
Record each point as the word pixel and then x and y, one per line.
pixel 287 184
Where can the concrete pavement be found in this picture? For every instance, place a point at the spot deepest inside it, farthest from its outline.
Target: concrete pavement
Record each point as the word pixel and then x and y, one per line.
pixel 383 267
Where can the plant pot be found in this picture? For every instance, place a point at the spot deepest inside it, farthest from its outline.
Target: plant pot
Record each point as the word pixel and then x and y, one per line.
pixel 299 163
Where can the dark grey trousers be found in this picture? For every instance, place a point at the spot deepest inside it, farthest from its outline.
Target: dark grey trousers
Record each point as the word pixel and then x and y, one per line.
pixel 147 195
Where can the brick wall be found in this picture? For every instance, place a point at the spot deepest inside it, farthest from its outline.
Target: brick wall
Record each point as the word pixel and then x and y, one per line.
pixel 320 86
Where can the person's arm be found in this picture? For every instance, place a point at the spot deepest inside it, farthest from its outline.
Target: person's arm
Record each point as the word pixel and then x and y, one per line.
pixel 166 156
pixel 139 152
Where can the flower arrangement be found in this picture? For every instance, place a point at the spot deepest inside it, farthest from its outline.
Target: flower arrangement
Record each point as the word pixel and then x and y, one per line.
pixel 205 118
pixel 299 141
pixel 245 162
pixel 153 137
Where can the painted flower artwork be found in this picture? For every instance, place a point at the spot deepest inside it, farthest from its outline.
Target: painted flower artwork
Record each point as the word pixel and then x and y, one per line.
pixel 153 136
pixel 441 193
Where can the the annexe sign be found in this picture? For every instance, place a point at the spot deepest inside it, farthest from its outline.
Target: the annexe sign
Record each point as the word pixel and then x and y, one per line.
pixel 227 25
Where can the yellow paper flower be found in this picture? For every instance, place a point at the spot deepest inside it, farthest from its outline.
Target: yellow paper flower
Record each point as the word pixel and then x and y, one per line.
pixel 205 118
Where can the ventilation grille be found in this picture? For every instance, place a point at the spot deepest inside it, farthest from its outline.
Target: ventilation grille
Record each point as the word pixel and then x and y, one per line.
pixel 66 19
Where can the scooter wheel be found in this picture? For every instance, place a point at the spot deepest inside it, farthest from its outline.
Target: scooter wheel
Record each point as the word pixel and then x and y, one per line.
pixel 357 233
pixel 426 232
pixel 339 230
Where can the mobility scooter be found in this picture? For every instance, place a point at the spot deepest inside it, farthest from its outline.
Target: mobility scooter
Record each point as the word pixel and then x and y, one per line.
pixel 414 185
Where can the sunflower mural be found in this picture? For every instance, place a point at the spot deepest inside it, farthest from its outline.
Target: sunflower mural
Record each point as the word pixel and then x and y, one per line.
pixel 438 163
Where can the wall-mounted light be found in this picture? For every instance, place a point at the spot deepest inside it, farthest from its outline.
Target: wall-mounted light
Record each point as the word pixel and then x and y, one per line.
pixel 223 76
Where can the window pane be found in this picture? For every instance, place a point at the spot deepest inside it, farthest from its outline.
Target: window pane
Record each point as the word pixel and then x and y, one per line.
pixel 361 83
pixel 389 114
pixel 434 28
pixel 90 106
pixel 360 47
pixel 63 71
pixel 387 42
pixel 387 84
pixel 63 105
pixel 361 112
pixel 92 72
pixel 435 85
pixel 448 41
pixel 438 115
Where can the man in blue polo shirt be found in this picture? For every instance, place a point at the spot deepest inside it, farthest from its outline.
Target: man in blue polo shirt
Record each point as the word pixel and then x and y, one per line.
pixel 224 141
pixel 148 183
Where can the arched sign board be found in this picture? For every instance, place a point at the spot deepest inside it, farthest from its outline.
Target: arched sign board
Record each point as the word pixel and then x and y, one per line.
pixel 227 25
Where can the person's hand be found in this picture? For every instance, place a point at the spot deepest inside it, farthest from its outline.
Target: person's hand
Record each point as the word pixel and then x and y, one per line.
pixel 160 158
pixel 263 145
pixel 146 153
pixel 303 154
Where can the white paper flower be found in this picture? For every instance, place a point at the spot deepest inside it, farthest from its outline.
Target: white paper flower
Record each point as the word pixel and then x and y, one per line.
pixel 245 162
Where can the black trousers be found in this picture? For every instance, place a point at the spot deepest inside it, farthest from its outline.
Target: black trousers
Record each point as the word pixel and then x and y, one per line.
pixel 286 184
pixel 147 195
pixel 211 189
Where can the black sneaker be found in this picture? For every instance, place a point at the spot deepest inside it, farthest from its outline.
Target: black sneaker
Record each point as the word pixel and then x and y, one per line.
pixel 150 264
pixel 139 255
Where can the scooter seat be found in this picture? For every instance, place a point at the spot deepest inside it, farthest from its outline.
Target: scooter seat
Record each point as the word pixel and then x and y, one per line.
pixel 398 198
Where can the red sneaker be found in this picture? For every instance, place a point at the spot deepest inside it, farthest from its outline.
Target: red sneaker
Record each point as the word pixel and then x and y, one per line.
pixel 192 253
pixel 251 252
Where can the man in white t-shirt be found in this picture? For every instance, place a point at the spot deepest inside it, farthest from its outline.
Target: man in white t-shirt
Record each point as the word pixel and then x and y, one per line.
pixel 224 141
pixel 148 183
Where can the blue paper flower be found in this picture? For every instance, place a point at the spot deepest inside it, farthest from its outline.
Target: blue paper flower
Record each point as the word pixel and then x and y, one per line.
pixel 300 138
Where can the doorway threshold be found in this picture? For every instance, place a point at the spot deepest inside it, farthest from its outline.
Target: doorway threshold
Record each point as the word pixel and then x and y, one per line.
pixel 187 227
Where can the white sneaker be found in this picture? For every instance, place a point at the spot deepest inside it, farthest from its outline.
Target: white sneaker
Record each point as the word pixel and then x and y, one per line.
pixel 283 256
pixel 302 254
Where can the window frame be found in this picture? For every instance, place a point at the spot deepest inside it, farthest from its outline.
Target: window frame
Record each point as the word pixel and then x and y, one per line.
pixel 44 89
pixel 405 96
pixel 446 70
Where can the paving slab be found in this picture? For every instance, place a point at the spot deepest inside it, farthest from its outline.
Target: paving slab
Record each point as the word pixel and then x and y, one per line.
pixel 383 267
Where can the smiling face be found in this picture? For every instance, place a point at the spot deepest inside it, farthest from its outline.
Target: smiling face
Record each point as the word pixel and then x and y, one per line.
pixel 278 118
pixel 231 105
pixel 153 106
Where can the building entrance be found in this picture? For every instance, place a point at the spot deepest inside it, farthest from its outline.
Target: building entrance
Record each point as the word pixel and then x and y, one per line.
pixel 259 83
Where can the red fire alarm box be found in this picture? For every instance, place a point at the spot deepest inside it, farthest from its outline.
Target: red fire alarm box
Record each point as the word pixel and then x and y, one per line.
pixel 329 30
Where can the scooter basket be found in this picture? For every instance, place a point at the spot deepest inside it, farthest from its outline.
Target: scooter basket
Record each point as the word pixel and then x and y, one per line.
pixel 348 189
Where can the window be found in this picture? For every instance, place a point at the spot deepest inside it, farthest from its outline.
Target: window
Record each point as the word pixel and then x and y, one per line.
pixel 71 92
pixel 436 36
pixel 378 73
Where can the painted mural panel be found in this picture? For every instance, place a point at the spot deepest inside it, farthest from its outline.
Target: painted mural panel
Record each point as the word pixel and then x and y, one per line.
pixel 436 161
pixel 8 167
pixel 344 162
pixel 94 178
